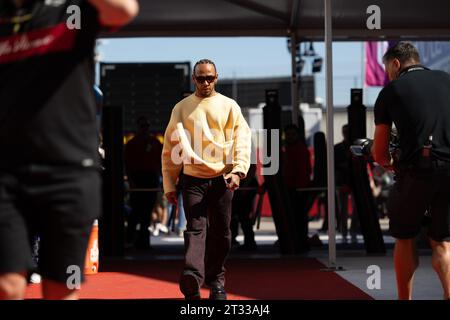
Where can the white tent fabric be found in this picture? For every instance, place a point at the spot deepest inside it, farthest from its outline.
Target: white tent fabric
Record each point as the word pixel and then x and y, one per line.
pixel 413 19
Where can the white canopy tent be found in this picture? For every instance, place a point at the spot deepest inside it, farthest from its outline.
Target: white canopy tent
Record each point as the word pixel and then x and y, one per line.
pixel 413 19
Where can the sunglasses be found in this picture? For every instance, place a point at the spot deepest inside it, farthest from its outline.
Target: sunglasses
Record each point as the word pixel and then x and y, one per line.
pixel 202 79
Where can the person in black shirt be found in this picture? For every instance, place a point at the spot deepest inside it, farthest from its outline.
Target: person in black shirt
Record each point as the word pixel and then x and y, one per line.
pixel 417 102
pixel 49 177
pixel 342 163
pixel 142 155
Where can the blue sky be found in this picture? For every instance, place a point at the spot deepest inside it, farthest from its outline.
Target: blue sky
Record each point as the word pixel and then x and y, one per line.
pixel 244 57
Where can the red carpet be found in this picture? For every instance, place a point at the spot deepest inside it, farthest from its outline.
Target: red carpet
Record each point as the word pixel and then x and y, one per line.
pixel 296 279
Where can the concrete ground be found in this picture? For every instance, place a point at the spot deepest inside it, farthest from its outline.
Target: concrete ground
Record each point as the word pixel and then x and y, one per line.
pixel 350 256
pixel 426 282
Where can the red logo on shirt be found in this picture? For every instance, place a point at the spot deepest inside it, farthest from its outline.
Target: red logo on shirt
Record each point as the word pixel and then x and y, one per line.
pixel 37 42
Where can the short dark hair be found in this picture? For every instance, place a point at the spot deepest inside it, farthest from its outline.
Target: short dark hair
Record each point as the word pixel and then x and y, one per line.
pixel 403 51
pixel 204 61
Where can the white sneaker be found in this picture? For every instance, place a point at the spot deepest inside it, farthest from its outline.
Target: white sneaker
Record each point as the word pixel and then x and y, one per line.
pixel 162 228
pixel 35 278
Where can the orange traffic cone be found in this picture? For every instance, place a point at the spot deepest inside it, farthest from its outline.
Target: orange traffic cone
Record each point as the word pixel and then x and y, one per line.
pixel 92 253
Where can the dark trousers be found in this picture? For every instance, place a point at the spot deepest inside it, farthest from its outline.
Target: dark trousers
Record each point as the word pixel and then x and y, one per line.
pixel 207 239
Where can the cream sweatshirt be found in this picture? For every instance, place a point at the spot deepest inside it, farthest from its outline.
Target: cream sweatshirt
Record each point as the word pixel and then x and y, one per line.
pixel 206 137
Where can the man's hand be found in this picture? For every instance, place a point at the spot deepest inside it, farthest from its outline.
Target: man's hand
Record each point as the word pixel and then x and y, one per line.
pixel 172 197
pixel 232 181
pixel 116 13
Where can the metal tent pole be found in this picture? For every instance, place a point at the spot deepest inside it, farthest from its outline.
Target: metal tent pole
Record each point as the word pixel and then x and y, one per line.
pixel 294 78
pixel 330 137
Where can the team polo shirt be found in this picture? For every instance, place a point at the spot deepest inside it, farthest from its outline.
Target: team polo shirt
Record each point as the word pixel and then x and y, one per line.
pixel 418 103
pixel 47 102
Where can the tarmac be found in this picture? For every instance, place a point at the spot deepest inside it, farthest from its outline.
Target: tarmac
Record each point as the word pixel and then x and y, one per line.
pixel 350 256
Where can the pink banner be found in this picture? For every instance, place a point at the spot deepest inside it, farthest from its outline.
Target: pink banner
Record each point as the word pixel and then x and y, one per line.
pixel 375 75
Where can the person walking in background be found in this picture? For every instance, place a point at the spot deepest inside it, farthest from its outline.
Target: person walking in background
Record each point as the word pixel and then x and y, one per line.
pixel 143 168
pixel 297 174
pixel 342 162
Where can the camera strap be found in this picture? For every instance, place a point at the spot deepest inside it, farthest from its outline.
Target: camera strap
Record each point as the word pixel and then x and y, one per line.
pixel 408 69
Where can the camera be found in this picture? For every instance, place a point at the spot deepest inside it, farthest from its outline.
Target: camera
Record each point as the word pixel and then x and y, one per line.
pixel 362 148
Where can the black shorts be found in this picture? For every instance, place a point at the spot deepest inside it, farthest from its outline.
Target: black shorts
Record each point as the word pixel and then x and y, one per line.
pixel 420 198
pixel 57 204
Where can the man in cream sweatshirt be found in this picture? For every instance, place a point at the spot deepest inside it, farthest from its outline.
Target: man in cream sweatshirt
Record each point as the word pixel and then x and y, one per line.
pixel 209 141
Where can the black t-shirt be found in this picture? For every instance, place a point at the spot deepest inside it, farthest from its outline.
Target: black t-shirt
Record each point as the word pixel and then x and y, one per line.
pixel 418 103
pixel 47 102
